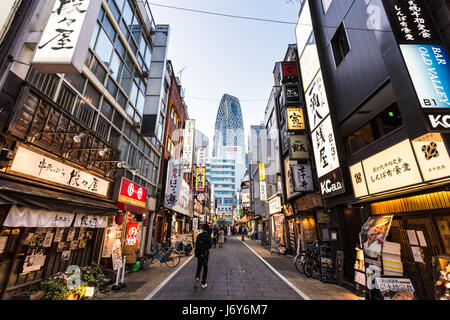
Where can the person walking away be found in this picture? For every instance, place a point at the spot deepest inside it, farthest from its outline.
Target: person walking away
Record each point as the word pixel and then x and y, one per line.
pixel 214 236
pixel 221 237
pixel 202 246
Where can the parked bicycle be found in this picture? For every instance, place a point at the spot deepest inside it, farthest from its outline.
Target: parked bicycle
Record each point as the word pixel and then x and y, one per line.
pixel 312 264
pixel 171 257
pixel 308 263
pixel 183 247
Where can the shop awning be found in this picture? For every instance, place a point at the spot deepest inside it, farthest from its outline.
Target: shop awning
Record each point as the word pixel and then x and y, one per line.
pixel 46 199
pixel 131 208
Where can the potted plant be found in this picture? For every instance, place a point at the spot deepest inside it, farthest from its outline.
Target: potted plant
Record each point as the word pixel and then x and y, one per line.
pixel 56 287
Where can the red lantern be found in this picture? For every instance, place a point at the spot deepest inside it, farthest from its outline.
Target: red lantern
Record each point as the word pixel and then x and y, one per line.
pixel 119 218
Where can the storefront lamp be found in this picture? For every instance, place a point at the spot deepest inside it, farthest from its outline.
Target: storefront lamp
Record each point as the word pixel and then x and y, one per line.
pixel 120 164
pixel 76 138
pixel 101 152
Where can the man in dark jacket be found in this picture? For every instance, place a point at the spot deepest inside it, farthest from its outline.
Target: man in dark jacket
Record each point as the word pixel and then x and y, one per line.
pixel 202 246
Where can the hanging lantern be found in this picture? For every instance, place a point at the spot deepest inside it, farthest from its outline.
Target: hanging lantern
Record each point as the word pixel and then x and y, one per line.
pixel 119 218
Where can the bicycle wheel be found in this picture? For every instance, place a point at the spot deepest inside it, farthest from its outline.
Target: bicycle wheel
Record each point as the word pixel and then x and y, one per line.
pixel 172 258
pixel 299 262
pixel 308 266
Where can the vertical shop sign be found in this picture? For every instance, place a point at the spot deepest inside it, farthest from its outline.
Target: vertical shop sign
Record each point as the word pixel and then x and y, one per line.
pixel 188 145
pixel 201 156
pixel 316 101
pixel 132 234
pixel 298 147
pixel 324 146
pixel 174 178
pixel 200 179
pixel 302 177
pixel 262 171
pixel 295 119
pixel 65 41
pixel 263 191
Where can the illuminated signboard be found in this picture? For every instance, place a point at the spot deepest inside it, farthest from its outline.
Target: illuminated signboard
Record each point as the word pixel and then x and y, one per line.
pixel 200 178
pixel 262 171
pixel 309 62
pixel 316 101
pixel 132 193
pixel 324 146
pixel 392 168
pixel 295 119
pixel 302 177
pixel 298 147
pixel 65 41
pixel 432 156
pixel 358 180
pixel 40 166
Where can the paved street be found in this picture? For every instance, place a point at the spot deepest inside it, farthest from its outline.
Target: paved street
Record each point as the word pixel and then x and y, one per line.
pixel 234 273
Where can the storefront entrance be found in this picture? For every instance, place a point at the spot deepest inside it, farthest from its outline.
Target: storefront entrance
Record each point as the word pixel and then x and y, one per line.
pixel 420 240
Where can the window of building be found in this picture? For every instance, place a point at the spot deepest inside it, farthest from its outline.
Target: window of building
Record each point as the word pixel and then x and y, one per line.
pixel 384 123
pixel 340 45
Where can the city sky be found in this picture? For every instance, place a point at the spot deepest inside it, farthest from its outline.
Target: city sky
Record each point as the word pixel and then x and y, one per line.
pixel 227 55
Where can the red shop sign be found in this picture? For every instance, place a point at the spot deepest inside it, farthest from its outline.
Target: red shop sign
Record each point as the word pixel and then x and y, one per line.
pixel 132 234
pixel 132 193
pixel 289 69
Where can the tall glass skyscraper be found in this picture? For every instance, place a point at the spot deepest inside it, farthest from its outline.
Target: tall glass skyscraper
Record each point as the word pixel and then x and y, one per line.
pixel 228 154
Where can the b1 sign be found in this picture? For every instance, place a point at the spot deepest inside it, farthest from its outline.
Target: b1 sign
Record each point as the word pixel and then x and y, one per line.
pixel 65 41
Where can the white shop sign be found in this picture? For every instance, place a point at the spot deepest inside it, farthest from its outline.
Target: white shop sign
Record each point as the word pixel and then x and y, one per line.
pixel 316 101
pixel 65 41
pixel 263 190
pixel 88 221
pixel 201 156
pixel 188 145
pixel 30 218
pixel 358 180
pixel 309 62
pixel 392 168
pixel 275 205
pixel 324 146
pixel 302 177
pixel 40 166
pixel 432 156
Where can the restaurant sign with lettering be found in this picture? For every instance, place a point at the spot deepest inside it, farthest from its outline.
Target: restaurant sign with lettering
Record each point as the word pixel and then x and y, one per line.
pixel 132 193
pixel 295 119
pixel 65 41
pixel 36 165
pixel 298 147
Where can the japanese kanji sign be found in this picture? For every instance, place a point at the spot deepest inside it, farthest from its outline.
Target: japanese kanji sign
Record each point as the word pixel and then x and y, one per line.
pixel 262 171
pixel 39 166
pixel 324 146
pixel 302 177
pixel 188 145
pixel 200 178
pixel 295 119
pixel 298 147
pixel 316 101
pixel 174 180
pixel 201 156
pixel 65 41
pixel 411 21
pixel 358 180
pixel 392 168
pixel 432 156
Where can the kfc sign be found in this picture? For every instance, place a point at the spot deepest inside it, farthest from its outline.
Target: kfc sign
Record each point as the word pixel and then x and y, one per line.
pixel 132 193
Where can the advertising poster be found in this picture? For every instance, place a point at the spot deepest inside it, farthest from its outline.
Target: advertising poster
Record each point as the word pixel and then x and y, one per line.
pixel 108 242
pixel 373 235
pixel 395 288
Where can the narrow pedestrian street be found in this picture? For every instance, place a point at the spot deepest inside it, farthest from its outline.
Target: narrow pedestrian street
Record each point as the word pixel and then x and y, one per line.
pixel 234 273
pixel 238 271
